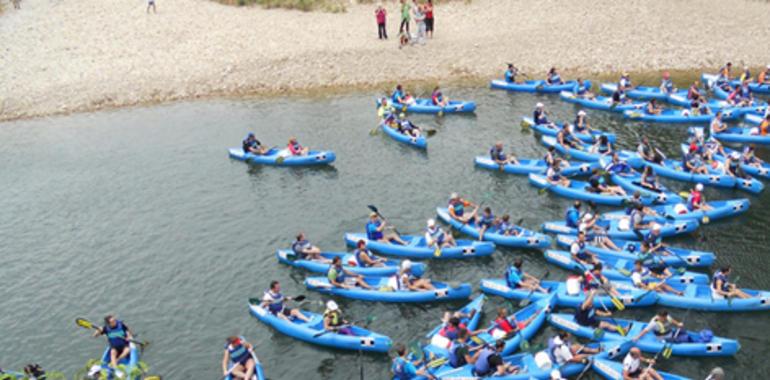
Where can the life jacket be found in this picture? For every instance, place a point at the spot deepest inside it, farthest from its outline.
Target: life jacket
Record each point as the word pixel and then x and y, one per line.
pixel 450 332
pixel 454 359
pixel 745 92
pixel 503 324
pixel 396 96
pixel 581 249
pixel 580 126
pixel 481 368
pixel 764 127
pixel 436 234
pixel 357 254
pixel 724 74
pixel 651 239
pixel 668 85
pixel 238 354
pixel 437 97
pixel 539 117
pixel 247 143
pixel 583 317
pixel 339 274
pixel 276 305
pixel 624 82
pixel 372 233
pixel 661 328
pixel 554 78
pixel 510 76
pixel 695 198
pixel 334 316
pixel 117 336
pixel 718 275
pixel 512 277
pixel 299 245
pixel 458 207
pixel 497 154
pixel 295 148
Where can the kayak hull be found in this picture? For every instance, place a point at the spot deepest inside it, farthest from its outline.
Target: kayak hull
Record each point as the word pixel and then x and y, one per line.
pixel 613 370
pixel 528 166
pixel 720 210
pixel 443 292
pixel 525 239
pixel 424 105
pixel 417 249
pixel 552 130
pixel 390 268
pixel 416 142
pixel 699 297
pixel 630 251
pixel 577 190
pixel 271 158
pixel 629 296
pixel 131 363
pixel 536 86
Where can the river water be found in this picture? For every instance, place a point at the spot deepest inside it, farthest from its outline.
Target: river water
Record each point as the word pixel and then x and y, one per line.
pixel 139 212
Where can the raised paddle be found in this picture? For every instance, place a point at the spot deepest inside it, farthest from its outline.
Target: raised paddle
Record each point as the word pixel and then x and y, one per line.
pixel 526 301
pixel 86 324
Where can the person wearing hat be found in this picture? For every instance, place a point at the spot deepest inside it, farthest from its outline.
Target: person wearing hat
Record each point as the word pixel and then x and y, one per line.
pixel 333 320
pixel 296 149
pixel 409 281
pixel 553 77
pixel 239 353
pixel 633 369
pixel 582 125
pixel 644 278
pixel 718 373
pixel 540 115
pixel 764 76
pixel 625 81
pixel 457 207
pixel 696 201
pixel 375 231
pixel 252 145
pixel 666 85
pixel 499 157
pixel 436 237
pixel 513 72
pixel 365 258
pixel 563 351
pixel 340 277
pixel 653 241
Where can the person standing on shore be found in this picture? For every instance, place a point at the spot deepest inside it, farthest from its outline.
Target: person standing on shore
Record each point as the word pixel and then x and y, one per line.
pixel 429 18
pixel 419 20
pixel 151 4
pixel 404 17
pixel 381 14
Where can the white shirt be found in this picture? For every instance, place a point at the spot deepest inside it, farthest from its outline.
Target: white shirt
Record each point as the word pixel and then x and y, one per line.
pixel 630 364
pixel 562 354
pixel 574 248
pixel 636 278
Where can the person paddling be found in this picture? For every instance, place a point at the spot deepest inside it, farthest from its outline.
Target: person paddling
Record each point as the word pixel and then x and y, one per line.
pixel 253 146
pixel 405 369
pixel 582 125
pixel 274 301
pixel 764 76
pixel 666 85
pixel 662 325
pixel 307 251
pixel 457 207
pixel 553 174
pixel 438 98
pixel 375 231
pixel 333 320
pixel 579 253
pixel 540 115
pixel 696 201
pixel 499 157
pixel 436 237
pixel 632 367
pixel 653 108
pixel 586 314
pixel 515 277
pixel 340 277
pixel 624 82
pixel 722 288
pixel 239 353
pixel 509 324
pixel 562 351
pixel 489 362
pixel 118 336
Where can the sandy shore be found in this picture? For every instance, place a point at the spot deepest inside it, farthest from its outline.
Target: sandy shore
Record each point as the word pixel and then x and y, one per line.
pixel 61 56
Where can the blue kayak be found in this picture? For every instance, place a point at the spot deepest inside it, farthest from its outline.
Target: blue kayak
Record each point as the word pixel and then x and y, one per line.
pixel 259 372
pixel 527 166
pixel 417 142
pixel 613 370
pixel 553 129
pixel 424 105
pixel 632 251
pixel 717 346
pixel 385 289
pixel 673 169
pixel 362 340
pixel 391 267
pixel 271 157
pixel 629 296
pixel 719 210
pixel 616 268
pixel 439 344
pixel 601 103
pixel 128 367
pixel 646 93
pixel 417 249
pixel 670 116
pixel 524 239
pixel 632 182
pixel 740 135
pixel 533 86
pixel 579 190
pixel 617 229
pixel 710 80
pixel 699 297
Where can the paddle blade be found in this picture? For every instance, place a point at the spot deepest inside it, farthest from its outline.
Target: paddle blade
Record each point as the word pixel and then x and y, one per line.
pixel 414 348
pixel 255 301
pixel 437 252
pixel 667 352
pixel 299 298
pixel 373 208
pixel 524 124
pixel 84 323
pixel 618 304
pixel 621 331
pixel 430 132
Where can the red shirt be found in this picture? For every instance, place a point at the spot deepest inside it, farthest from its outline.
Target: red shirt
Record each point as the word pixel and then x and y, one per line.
pixel 380 13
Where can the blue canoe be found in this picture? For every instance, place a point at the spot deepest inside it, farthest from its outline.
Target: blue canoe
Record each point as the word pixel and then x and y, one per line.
pixel 314 157
pixel 629 296
pixel 417 142
pixel 533 86
pixel 578 190
pixel 673 169
pixel 363 339
pixel 616 229
pixel 553 129
pixel 613 370
pixel 391 267
pixel 424 105
pixel 648 342
pixel 632 251
pixel 601 103
pixel 616 268
pixel 438 346
pixel 699 297
pixel 632 182
pixel 719 210
pixel 646 93
pixel 709 80
pixel 128 367
pixel 525 239
pixel 383 290
pixel 417 249
pixel 527 166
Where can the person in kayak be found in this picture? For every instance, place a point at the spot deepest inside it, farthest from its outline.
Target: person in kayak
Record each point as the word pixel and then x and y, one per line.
pixel 749 158
pixel 505 227
pixel 725 74
pixel 438 98
pixel 653 108
pixel 404 369
pixel 553 77
pixel 511 73
pixel 722 288
pixel 333 320
pixel 581 90
pixel 409 281
pixel 582 125
pixel 741 96
pixel 398 97
pixel 375 231
pixel 638 224
pixel 307 251
pixel 550 156
pixel 586 314
pixel 572 215
pixel 764 126
pixel 515 277
pixel 499 157
pixel 562 351
pixel 624 82
pixel 649 180
pixel 566 138
pixel 712 147
pixel 118 336
pixel 253 146
pixel 597 185
pixel 648 152
pixel 385 110
pixel 732 166
pixel 489 362
pixel 339 277
pixel 579 253
pixel 666 84
pixel 692 162
pixel 662 325
pixel 633 369
pixel 603 146
pixel 460 351
pixel 643 278
pixel 238 352
pixel 696 201
pixel 486 221
pixel 457 207
pixel 274 301
pixel 595 279
pixel 653 241
pixel 540 115
pixel 619 96
pixel 745 75
pixel 436 237
pixel 365 258
pixel 509 324
pixel 296 149
pixel 553 174
pixel 406 127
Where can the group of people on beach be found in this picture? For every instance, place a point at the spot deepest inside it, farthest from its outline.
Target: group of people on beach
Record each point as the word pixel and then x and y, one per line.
pixel 420 12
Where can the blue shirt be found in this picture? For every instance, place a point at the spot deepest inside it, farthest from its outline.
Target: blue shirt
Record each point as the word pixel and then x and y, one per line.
pixel 372 232
pixel 403 369
pixel 572 217
pixel 396 96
